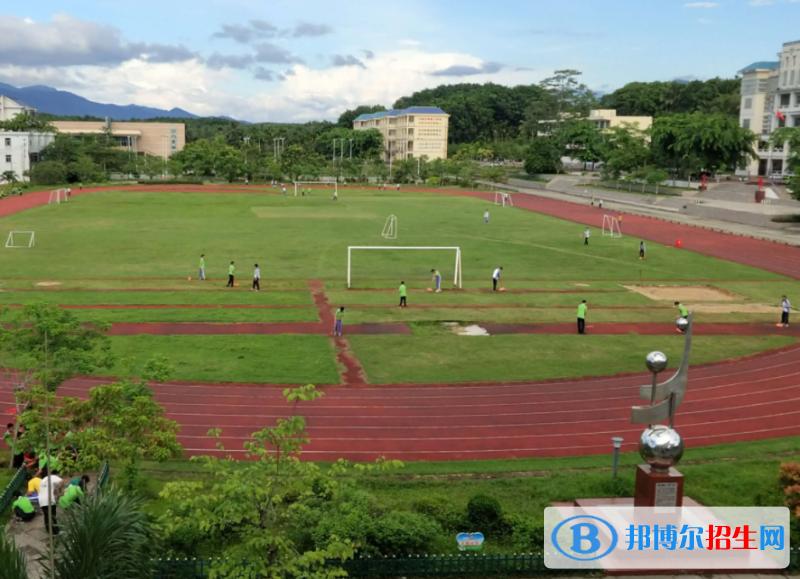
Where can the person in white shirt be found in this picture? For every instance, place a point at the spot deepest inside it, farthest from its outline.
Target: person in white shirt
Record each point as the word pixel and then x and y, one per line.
pixel 586 235
pixel 256 277
pixel 496 278
pixel 284 188
pixel 398 186
pixel 48 499
pixel 786 306
pixel 486 217
pixel 335 195
pixel 600 203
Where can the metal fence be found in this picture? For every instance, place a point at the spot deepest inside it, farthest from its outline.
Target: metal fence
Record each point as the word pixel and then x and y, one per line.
pixel 102 478
pixel 8 494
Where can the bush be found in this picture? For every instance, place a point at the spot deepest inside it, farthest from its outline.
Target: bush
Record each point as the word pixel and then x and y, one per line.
pixel 484 513
pixel 543 157
pixel 49 173
pixel 789 480
pixel 348 522
pixel 441 511
pixel 527 536
pixel 401 533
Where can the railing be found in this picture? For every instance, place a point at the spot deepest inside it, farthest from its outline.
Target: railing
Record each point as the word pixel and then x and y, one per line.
pixel 8 494
pixel 102 478
pixel 390 568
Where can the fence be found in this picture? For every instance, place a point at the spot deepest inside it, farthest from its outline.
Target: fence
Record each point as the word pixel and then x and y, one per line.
pixel 639 187
pixel 102 478
pixel 8 494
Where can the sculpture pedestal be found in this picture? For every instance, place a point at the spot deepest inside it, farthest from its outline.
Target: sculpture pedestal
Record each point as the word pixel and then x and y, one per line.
pixel 658 489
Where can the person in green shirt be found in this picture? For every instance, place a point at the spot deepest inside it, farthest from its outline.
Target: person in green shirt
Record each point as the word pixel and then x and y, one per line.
pixel 582 317
pixel 202 274
pixel 73 494
pixel 337 328
pixel 682 314
pixel 403 303
pixel 80 481
pixel 23 508
pixel 231 269
pixel 437 277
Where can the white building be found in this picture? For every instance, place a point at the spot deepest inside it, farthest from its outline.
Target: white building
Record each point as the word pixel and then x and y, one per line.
pixel 771 99
pixel 19 150
pixel 9 109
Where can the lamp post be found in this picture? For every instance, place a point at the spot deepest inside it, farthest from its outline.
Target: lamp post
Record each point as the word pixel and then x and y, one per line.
pixel 351 149
pixel 617 445
pixel 164 149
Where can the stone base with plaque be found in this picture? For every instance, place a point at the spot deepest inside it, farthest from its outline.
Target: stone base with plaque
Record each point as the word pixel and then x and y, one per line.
pixel 658 489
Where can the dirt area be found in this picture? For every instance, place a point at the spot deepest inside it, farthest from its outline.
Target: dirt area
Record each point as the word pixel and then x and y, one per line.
pixel 685 293
pixel 304 213
pixel 472 330
pixel 581 284
pixel 48 283
pixel 735 308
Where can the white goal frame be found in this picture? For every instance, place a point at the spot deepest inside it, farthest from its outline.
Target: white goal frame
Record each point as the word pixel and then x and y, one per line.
pixel 390 228
pixel 456 277
pixel 61 196
pixel 611 226
pixel 503 199
pixel 334 183
pixel 10 241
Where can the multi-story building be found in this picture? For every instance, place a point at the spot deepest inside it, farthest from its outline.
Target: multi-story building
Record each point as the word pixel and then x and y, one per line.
pixel 18 151
pixel 770 100
pixel 413 132
pixel 10 109
pixel 158 139
pixel 608 118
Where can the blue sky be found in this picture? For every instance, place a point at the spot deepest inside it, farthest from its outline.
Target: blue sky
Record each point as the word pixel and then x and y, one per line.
pixel 310 59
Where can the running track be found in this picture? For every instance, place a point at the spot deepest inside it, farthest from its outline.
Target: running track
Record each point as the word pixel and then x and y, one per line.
pixel 750 398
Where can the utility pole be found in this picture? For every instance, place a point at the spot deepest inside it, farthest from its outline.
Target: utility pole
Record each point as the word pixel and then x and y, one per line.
pixel 351 149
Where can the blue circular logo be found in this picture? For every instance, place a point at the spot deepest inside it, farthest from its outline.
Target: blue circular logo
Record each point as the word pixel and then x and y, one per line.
pixel 590 537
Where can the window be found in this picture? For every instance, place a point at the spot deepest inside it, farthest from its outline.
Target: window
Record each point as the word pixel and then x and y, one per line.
pixel 786 100
pixel 785 76
pixel 410 120
pixel 8 158
pixel 763 146
pixel 748 103
pixel 8 142
pixel 781 123
pixel 791 77
pixel 746 123
pixel 794 60
pixel 410 132
pixel 796 121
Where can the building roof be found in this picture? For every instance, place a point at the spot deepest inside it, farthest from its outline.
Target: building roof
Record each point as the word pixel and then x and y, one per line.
pixel 408 111
pixel 761 65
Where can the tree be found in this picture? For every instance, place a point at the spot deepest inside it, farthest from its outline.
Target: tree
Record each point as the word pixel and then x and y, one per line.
pixel 175 167
pixel 23 123
pixel 229 163
pixel 82 170
pixel 251 506
pixel 624 149
pixel 543 157
pixel 48 173
pixel 492 174
pixel 790 136
pixel 581 140
pixel 716 141
pixel 655 177
pixel 657 99
pixel 293 159
pixel 9 177
pixel 346 118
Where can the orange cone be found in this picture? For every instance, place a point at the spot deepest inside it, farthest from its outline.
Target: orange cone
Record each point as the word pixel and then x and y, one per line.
pixel 502 289
pixel 190 279
pixel 430 290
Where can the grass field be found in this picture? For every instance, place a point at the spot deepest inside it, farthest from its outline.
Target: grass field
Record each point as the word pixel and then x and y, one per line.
pixel 132 251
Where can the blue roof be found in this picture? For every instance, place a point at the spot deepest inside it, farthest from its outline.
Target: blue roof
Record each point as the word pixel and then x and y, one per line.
pixel 408 111
pixel 762 65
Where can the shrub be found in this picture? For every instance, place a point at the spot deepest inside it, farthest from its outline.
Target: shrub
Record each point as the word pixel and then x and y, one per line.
pixel 527 536
pixel 443 512
pixel 49 173
pixel 347 522
pixel 484 513
pixel 789 480
pixel 543 156
pixel 402 533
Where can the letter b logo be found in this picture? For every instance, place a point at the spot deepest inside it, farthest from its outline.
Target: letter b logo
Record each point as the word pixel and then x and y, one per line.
pixel 584 538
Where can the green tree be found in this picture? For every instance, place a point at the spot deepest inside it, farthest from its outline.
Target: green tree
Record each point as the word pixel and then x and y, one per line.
pixel 229 163
pixel 175 167
pixel 655 177
pixel 493 174
pixel 82 170
pixel 23 123
pixel 48 173
pixel 624 149
pixel 582 140
pixel 791 137
pixel 9 177
pixel 293 160
pixel 543 157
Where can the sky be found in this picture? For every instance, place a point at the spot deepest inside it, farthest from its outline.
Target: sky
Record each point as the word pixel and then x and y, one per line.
pixel 301 60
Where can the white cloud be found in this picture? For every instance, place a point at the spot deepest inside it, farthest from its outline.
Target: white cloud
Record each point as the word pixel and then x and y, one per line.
pixel 759 3
pixel 704 21
pixel 701 5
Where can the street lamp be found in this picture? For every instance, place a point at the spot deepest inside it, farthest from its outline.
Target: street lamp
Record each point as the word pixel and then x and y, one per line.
pixel 164 150
pixel 617 445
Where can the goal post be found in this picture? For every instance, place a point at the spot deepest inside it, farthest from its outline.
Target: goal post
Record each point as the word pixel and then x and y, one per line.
pixel 611 226
pixel 302 184
pixel 21 238
pixel 58 196
pixel 390 228
pixel 503 199
pixel 456 275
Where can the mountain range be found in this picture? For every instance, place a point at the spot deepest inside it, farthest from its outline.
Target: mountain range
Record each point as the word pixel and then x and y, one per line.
pixel 46 99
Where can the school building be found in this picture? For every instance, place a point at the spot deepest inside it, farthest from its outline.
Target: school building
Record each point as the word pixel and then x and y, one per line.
pixel 409 133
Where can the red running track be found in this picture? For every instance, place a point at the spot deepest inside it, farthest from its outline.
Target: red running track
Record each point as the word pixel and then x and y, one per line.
pixel 750 398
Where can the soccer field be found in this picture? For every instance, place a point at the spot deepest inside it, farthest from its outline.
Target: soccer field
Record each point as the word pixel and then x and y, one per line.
pixel 125 257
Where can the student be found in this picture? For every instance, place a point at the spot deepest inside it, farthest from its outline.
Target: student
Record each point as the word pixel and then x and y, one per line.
pixel 786 306
pixel 246 182
pixel 80 186
pixel 398 186
pixel 69 191
pixel 384 186
pixel 582 308
pixel 600 203
pixel 34 485
pixel 302 191
pixel 337 327
pixel 202 274
pixel 437 277
pixel 48 499
pixel 23 508
pixel 496 278
pixel 683 313
pixel 284 189
pixel 72 495
pixel 81 481
pixel 335 195
pixel 486 217
pixel 231 269
pixel 256 277
pixel 619 219
pixel 642 250
pixel 403 303
pixel 586 235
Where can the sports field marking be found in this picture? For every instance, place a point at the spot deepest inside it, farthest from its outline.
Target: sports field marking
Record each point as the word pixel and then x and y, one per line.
pixel 304 213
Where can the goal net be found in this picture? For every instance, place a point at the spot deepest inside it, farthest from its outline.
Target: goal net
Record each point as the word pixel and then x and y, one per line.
pixel 390 228
pixel 58 196
pixel 400 263
pixel 20 239
pixel 611 226
pixel 300 185
pixel 503 199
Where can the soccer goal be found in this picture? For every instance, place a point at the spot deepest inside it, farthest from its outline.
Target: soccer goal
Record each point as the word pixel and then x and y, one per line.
pixel 611 226
pixel 20 239
pixel 503 199
pixel 301 184
pixel 390 228
pixel 58 196
pixel 456 274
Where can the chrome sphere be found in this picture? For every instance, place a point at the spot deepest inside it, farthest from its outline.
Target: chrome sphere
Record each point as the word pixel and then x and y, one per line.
pixel 683 324
pixel 661 447
pixel 656 361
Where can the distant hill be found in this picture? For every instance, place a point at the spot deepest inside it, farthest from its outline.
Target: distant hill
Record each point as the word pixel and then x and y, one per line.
pixel 49 100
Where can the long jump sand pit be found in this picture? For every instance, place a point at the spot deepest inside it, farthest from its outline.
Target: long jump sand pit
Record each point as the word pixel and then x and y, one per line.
pixel 685 293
